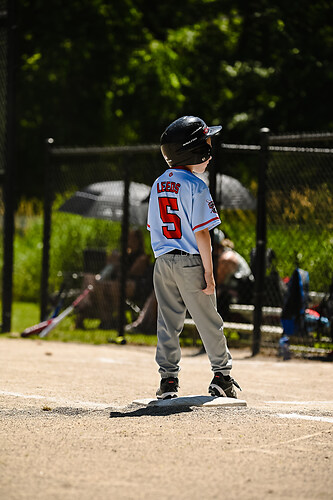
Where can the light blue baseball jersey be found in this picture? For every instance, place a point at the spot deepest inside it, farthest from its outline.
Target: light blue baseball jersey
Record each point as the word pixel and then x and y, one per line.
pixel 180 204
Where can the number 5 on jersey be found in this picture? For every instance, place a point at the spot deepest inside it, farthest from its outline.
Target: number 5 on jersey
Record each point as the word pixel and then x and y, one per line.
pixel 170 218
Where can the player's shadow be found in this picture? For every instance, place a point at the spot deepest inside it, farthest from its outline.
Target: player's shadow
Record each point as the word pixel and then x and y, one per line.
pixel 151 411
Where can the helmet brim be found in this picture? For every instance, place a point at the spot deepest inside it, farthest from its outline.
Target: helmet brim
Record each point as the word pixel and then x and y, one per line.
pixel 213 130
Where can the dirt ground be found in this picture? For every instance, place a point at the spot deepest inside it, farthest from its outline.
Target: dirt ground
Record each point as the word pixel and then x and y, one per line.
pixel 69 429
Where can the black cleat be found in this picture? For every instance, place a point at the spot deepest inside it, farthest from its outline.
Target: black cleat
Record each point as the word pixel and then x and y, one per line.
pixel 168 388
pixel 223 386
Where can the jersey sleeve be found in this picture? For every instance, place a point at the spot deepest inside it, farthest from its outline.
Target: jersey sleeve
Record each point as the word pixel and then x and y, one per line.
pixel 205 215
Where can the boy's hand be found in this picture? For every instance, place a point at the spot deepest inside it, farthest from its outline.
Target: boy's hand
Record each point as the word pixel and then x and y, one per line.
pixel 210 284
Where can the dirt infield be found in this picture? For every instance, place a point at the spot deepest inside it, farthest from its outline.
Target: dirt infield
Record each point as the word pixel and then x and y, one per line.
pixel 69 429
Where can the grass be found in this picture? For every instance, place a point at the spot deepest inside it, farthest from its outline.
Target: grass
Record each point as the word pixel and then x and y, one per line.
pixel 312 243
pixel 26 314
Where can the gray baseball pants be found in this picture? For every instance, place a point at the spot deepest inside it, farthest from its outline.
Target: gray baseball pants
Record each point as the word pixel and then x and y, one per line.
pixel 178 282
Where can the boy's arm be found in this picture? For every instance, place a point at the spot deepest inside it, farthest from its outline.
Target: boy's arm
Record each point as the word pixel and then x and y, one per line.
pixel 205 249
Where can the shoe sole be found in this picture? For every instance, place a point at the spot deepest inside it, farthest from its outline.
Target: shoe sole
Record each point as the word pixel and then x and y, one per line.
pixel 217 392
pixel 168 395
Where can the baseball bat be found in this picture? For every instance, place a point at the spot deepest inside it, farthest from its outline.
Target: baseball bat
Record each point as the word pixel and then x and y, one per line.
pixel 59 301
pixel 44 327
pixel 39 327
pixel 100 276
pixel 55 321
pixel 33 330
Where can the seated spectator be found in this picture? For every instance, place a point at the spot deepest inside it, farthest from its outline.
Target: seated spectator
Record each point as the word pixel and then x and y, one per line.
pixel 234 278
pixel 139 267
pixel 229 262
pixel 103 302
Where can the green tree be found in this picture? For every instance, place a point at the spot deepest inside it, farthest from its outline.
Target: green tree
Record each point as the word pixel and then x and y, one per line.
pixel 97 72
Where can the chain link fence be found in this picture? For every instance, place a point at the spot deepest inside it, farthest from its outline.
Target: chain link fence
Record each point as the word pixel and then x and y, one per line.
pixel 298 215
pixel 292 227
pixel 3 119
pixel 99 195
pixel 275 203
pixel 300 212
pixel 3 84
pixel 96 202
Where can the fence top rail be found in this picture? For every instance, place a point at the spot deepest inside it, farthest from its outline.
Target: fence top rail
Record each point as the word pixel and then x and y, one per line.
pixel 146 148
pixel 278 149
pixel 295 149
pixel 241 147
pixel 303 137
pixel 103 150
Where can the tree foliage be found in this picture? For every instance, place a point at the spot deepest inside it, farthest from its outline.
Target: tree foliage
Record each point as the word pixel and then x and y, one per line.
pixel 111 73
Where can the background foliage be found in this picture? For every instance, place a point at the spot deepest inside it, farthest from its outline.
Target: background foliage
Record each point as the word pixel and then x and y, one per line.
pixel 70 238
pixel 97 72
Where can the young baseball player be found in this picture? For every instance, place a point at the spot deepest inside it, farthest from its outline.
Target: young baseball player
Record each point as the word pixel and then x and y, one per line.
pixel 181 214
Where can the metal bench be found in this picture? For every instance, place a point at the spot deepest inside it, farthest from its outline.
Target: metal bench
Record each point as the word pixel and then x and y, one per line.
pixel 271 333
pixel 243 327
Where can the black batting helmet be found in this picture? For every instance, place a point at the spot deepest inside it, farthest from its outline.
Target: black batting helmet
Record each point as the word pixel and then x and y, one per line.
pixel 184 141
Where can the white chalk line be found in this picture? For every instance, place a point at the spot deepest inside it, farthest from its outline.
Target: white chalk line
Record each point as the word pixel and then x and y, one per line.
pixel 263 448
pixel 109 360
pixel 303 403
pixel 86 404
pixel 103 360
pixel 305 417
pixel 115 361
pixel 95 405
pixel 300 402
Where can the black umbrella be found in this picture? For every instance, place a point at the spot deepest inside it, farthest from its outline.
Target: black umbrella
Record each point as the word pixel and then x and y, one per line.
pixel 230 193
pixel 104 200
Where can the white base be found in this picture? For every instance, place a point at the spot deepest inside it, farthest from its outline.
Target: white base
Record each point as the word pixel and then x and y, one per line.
pixel 206 401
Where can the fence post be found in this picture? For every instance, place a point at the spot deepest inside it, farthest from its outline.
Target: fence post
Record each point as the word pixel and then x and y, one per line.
pixel 9 178
pixel 212 170
pixel 124 245
pixel 48 200
pixel 260 256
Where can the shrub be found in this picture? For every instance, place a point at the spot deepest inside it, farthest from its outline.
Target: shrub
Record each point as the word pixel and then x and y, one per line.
pixel 71 235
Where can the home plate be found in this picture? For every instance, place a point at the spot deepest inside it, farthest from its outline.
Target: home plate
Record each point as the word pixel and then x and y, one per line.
pixel 206 401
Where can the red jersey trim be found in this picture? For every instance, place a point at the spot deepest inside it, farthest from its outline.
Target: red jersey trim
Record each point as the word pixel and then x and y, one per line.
pixel 205 223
